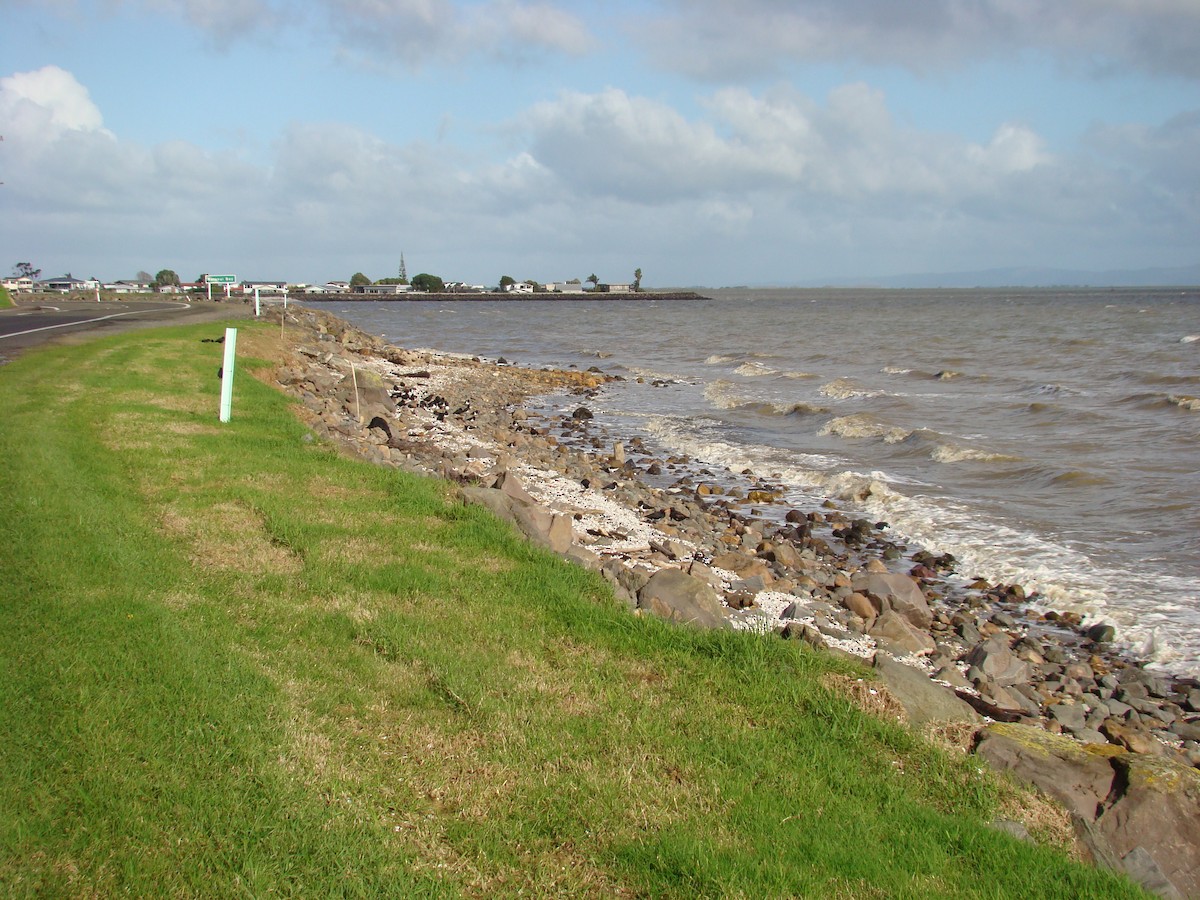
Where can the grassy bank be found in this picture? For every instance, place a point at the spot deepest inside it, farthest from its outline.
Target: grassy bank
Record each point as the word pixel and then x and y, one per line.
pixel 239 664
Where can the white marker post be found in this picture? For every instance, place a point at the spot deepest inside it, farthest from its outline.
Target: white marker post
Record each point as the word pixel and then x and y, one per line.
pixel 257 307
pixel 227 374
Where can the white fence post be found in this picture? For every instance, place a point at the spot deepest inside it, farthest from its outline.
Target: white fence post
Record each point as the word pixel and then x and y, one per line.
pixel 227 374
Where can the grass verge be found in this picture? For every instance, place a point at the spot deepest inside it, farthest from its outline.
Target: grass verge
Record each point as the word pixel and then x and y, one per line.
pixel 237 663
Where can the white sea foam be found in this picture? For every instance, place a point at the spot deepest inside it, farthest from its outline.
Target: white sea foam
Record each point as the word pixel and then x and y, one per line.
pixel 847 388
pixel 1184 402
pixel 947 453
pixel 862 425
pixel 723 394
pixel 648 374
pixel 895 370
pixel 720 359
pixel 754 370
pixel 1190 339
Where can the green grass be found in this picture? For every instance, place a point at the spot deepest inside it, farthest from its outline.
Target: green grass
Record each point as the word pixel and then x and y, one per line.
pixel 237 663
pixel 5 300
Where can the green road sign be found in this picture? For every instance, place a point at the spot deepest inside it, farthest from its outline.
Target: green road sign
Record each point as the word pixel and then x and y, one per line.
pixel 222 279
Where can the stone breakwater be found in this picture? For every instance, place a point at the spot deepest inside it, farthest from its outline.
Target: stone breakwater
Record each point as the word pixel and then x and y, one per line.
pixel 1038 694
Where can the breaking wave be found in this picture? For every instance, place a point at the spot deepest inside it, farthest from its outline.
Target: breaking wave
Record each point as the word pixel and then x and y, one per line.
pixel 847 388
pixel 862 425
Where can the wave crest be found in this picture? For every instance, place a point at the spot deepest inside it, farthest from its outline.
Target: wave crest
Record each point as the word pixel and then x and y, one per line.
pixel 862 425
pixel 846 388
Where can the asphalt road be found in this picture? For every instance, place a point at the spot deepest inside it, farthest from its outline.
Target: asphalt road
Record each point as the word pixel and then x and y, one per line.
pixel 31 324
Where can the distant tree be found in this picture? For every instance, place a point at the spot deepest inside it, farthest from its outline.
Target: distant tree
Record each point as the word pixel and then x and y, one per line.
pixel 144 277
pixel 637 279
pixel 593 279
pixel 403 279
pixel 26 270
pixel 165 278
pixel 390 281
pixel 428 283
pixel 358 278
pixel 533 284
pixel 506 280
pixel 573 281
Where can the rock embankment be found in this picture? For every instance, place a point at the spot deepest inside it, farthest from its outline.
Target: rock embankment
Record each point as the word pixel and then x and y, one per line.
pixel 1045 697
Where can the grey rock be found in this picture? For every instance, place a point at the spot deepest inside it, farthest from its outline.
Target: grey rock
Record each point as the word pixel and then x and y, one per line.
pixel 1015 829
pixel 997 662
pixel 1189 731
pixel 951 676
pixel 1140 866
pixel 899 592
pixel 923 700
pixel 678 597
pixel 894 628
pixel 1054 764
pixel 1158 810
pixel 1070 716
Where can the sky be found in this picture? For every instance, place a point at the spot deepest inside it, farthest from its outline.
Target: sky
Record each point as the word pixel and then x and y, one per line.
pixel 706 142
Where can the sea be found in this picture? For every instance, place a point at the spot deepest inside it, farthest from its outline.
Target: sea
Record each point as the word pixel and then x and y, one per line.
pixel 1047 438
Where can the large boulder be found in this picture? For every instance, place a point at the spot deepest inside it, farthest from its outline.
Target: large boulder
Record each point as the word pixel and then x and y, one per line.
pixel 898 592
pixel 744 566
pixel 1158 811
pixel 1133 812
pixel 1077 777
pixel 678 597
pixel 536 522
pixel 923 700
pixel 899 633
pixel 998 663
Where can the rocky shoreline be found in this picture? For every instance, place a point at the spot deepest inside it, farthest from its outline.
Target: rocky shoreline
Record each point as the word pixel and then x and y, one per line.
pixel 549 296
pixel 1037 694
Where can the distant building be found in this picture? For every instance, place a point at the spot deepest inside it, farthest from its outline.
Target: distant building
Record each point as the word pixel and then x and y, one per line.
pixel 614 288
pixel 329 287
pixel 565 287
pixel 520 287
pixel 264 287
pixel 128 287
pixel 67 284
pixel 381 290
pixel 14 285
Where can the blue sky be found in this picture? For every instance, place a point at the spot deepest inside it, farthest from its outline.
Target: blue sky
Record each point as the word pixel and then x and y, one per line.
pixel 707 142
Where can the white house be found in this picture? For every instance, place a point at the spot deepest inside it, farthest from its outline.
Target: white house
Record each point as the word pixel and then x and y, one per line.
pixel 68 284
pixel 128 287
pixel 381 290
pixel 14 284
pixel 264 287
pixel 614 288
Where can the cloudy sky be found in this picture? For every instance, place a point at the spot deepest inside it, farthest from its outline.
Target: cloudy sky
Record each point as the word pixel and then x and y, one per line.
pixel 707 142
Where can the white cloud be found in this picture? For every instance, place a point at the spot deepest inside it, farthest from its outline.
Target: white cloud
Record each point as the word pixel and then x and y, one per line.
pixel 49 97
pixel 413 33
pixel 226 19
pixel 850 148
pixel 732 38
pixel 773 183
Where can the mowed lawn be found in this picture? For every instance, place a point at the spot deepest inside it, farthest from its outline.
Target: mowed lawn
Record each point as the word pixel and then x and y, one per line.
pixel 235 663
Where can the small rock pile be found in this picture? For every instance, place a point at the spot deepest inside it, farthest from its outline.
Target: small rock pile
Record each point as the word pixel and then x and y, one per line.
pixel 718 549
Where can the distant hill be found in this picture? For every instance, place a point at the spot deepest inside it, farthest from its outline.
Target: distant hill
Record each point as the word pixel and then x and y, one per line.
pixel 1026 277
